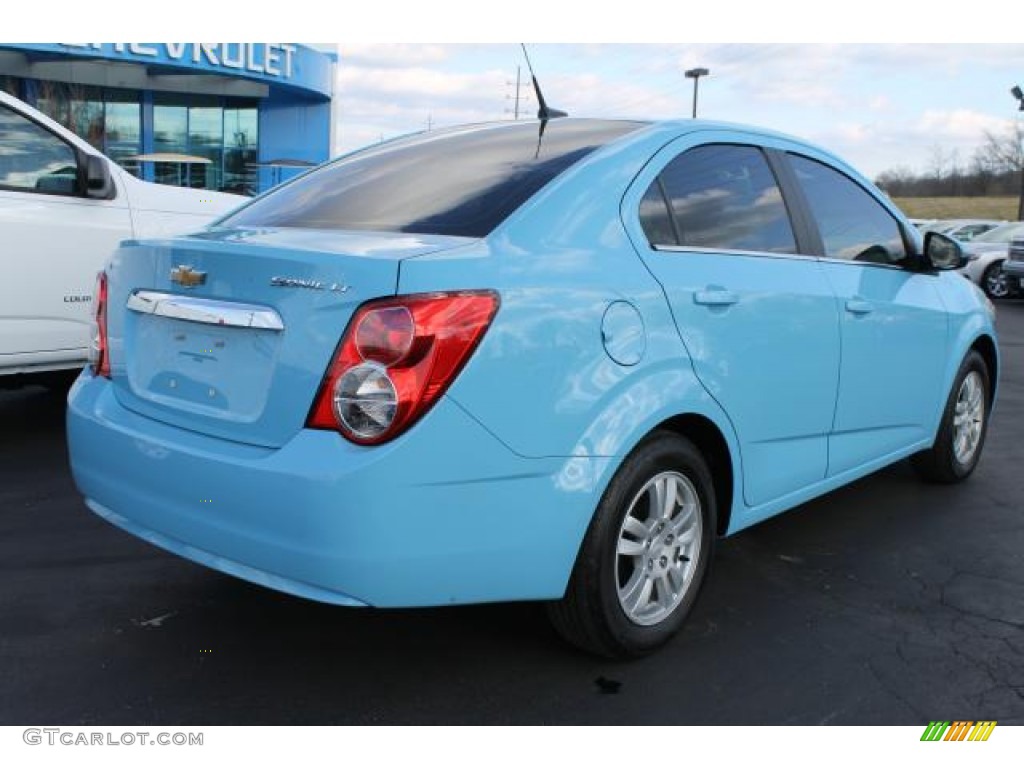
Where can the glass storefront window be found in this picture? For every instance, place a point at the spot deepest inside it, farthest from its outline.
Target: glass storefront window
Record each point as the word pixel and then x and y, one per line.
pixel 87 119
pixel 53 101
pixel 225 133
pixel 109 119
pixel 123 124
pixel 206 139
pixel 170 135
pixel 241 150
pixel 10 85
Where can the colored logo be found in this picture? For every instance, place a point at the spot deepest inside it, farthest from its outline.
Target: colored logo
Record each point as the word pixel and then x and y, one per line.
pixel 187 277
pixel 961 730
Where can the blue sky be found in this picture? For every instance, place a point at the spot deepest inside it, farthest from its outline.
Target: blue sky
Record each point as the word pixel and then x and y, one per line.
pixel 879 106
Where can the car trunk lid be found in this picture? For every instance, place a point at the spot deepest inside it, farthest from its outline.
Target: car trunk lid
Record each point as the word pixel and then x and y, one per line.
pixel 229 332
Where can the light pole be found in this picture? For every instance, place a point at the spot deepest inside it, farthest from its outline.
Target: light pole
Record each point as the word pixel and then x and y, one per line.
pixel 1018 94
pixel 696 74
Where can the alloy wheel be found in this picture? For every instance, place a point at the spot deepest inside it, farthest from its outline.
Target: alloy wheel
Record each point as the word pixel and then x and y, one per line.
pixel 968 418
pixel 996 285
pixel 658 548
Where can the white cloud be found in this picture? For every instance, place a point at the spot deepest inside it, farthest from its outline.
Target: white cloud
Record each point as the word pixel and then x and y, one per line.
pixel 958 125
pixel 878 146
pixel 378 102
pixel 804 75
pixel 419 82
pixel 855 133
pixel 588 94
pixel 896 59
pixel 393 55
pixel 880 104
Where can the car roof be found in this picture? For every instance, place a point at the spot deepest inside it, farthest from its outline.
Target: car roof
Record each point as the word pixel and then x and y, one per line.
pixel 674 127
pixel 654 132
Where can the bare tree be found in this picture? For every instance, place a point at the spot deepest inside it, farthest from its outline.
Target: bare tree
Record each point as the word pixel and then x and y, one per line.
pixel 995 168
pixel 937 162
pixel 897 181
pixel 980 178
pixel 954 180
pixel 1004 151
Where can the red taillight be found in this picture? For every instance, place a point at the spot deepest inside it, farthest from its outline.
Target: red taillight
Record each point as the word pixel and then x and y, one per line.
pixel 385 334
pixel 99 353
pixel 396 359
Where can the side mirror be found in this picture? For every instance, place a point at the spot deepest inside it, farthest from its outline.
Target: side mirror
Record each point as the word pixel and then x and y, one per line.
pixel 942 252
pixel 98 183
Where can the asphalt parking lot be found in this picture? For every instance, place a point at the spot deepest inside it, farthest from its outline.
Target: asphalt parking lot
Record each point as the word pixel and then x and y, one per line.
pixel 888 602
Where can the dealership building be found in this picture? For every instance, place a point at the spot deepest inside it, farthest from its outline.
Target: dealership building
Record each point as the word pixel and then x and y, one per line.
pixel 238 117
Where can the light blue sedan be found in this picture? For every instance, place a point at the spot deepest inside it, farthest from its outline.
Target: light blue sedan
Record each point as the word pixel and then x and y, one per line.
pixel 527 361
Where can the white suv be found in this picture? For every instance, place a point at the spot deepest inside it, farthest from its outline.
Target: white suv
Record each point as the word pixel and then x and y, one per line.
pixel 63 209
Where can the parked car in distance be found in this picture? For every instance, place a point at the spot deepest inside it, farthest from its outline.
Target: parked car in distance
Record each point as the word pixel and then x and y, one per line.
pixel 1013 267
pixel 986 255
pixel 64 208
pixel 528 361
pixel 964 230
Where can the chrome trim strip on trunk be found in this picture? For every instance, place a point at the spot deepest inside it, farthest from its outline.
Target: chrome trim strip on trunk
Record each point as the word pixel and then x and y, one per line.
pixel 206 311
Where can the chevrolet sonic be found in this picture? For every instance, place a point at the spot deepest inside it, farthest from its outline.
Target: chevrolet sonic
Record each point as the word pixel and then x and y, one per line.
pixel 548 360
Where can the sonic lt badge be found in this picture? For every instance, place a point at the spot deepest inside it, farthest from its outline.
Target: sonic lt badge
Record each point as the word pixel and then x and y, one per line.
pixel 313 285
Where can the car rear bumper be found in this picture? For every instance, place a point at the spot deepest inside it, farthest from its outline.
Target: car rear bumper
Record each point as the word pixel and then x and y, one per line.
pixel 446 514
pixel 241 570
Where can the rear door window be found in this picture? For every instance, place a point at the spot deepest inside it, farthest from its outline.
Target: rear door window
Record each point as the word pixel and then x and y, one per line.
pixel 721 197
pixel 656 218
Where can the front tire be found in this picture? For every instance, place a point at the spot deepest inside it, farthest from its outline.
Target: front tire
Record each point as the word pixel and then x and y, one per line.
pixel 961 436
pixel 994 282
pixel 645 555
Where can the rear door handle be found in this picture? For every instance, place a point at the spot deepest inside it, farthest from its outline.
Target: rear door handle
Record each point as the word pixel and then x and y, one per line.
pixel 859 307
pixel 715 297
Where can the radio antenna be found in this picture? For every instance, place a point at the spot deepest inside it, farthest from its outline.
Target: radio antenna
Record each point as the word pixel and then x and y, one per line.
pixel 544 112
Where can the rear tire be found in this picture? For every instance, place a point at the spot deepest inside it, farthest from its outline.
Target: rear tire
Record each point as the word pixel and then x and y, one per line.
pixel 961 436
pixel 646 554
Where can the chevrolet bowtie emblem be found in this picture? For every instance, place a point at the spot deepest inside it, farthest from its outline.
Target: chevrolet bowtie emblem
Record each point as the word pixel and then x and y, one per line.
pixel 187 277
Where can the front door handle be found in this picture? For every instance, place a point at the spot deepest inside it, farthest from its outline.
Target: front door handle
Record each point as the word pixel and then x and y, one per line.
pixel 714 296
pixel 859 307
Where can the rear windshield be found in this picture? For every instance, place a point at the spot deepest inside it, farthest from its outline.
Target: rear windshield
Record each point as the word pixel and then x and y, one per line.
pixel 460 182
